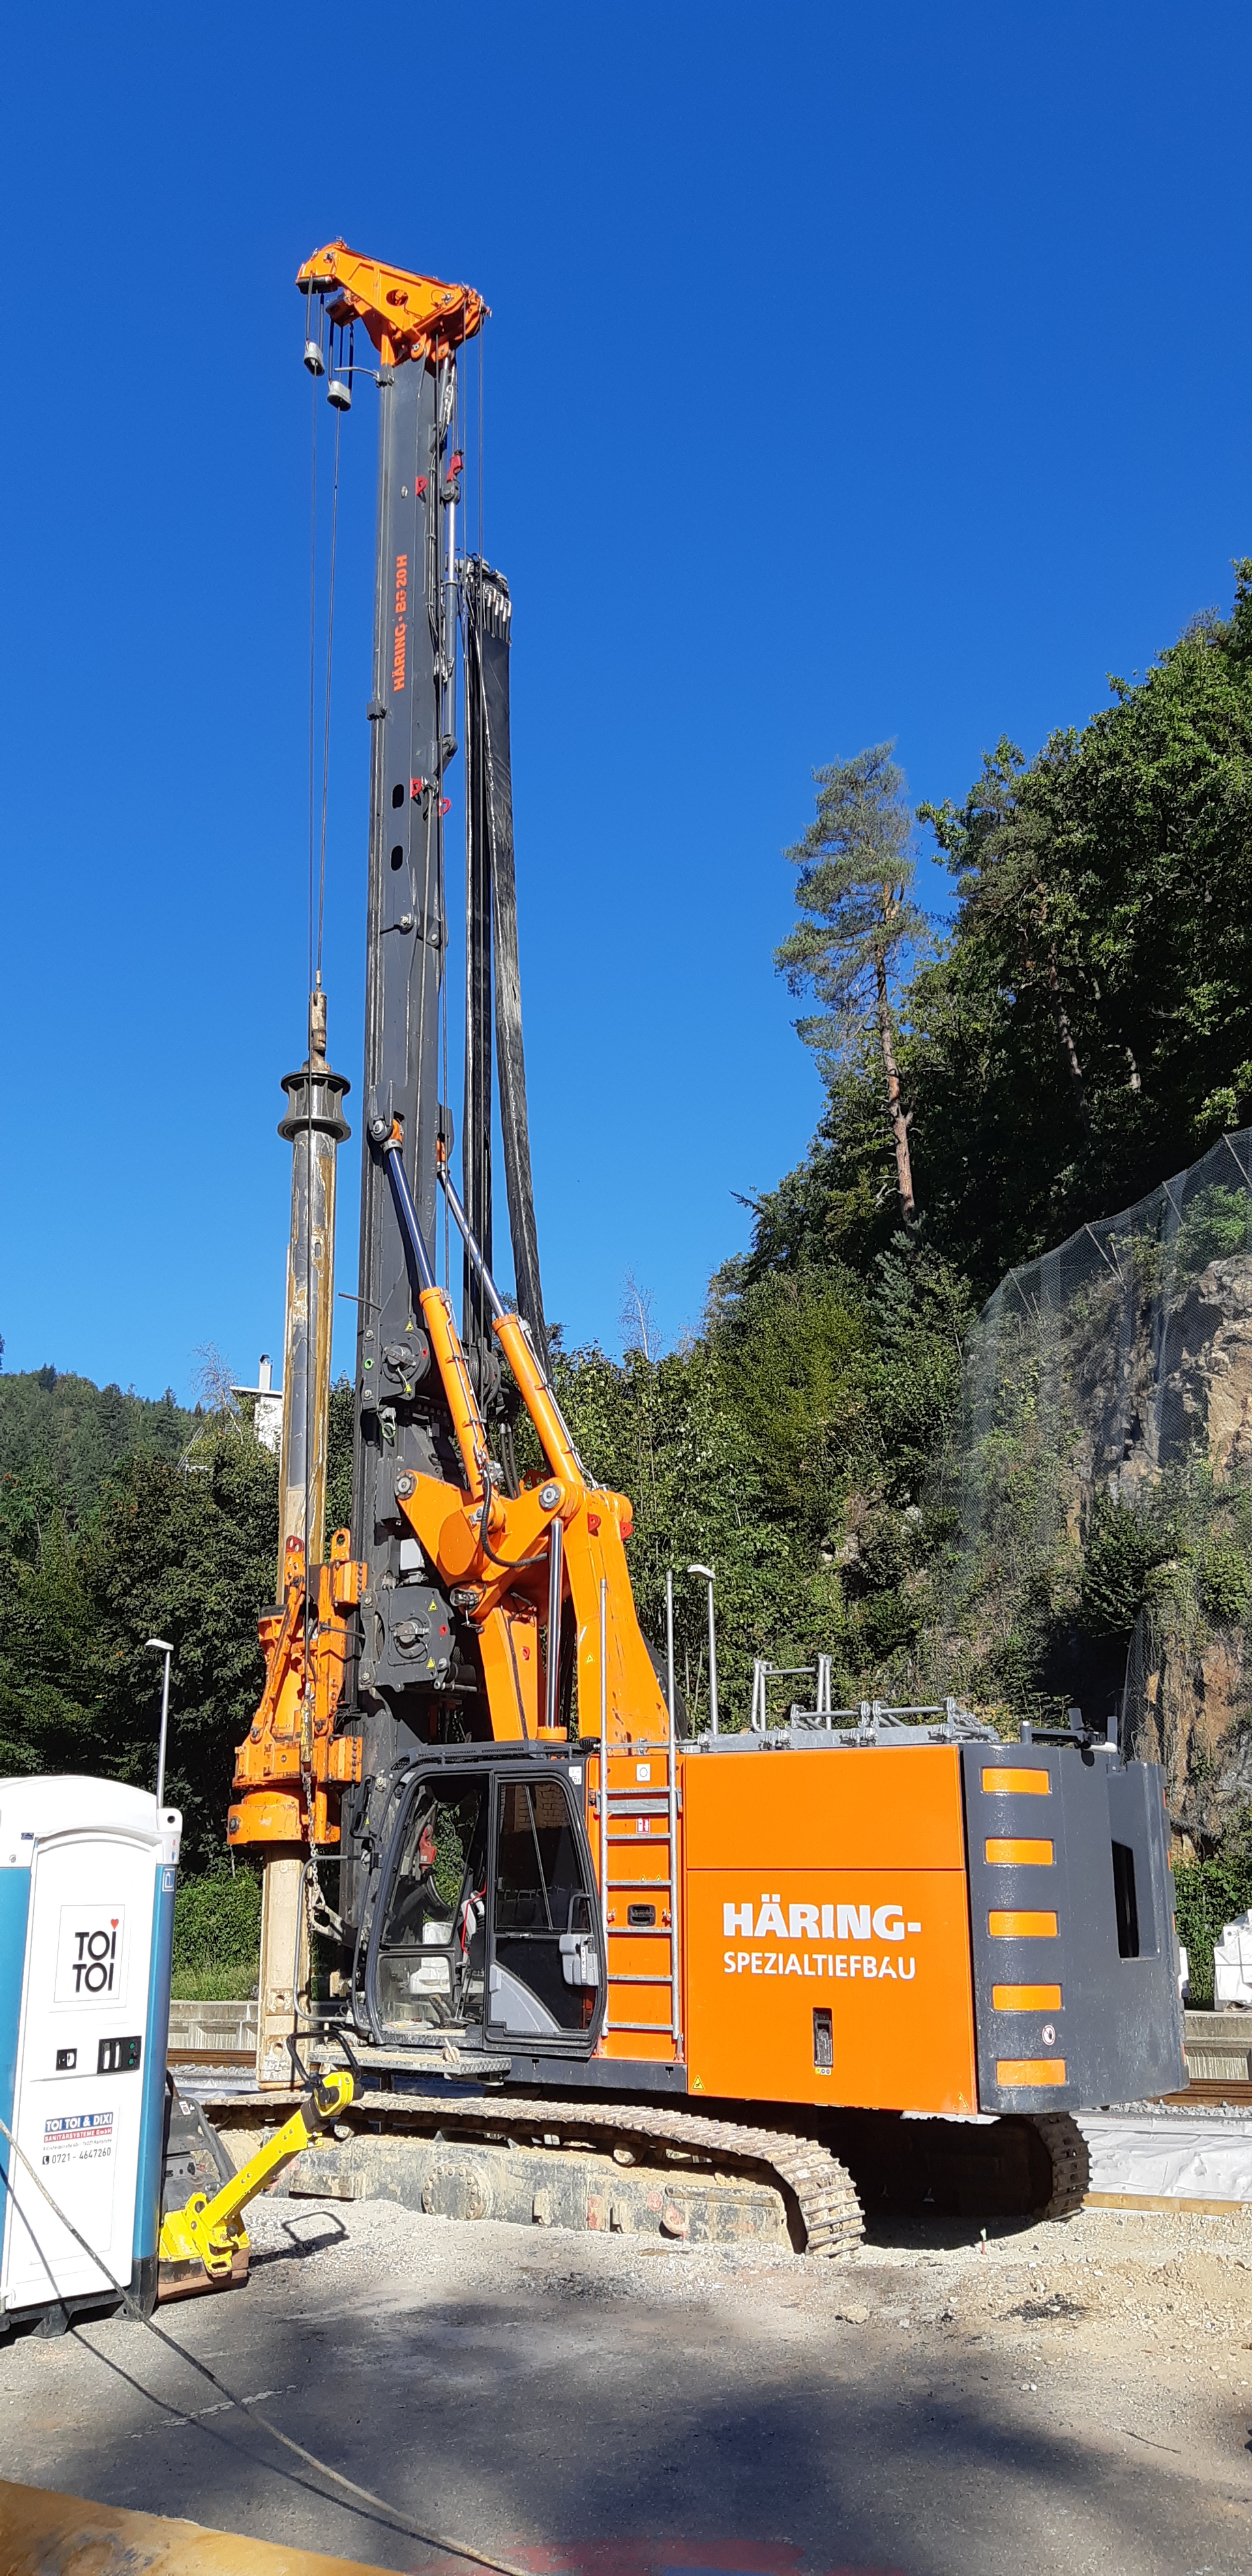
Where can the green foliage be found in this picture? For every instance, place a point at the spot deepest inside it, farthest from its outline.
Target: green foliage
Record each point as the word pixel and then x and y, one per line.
pixel 1208 1895
pixel 790 1347
pixel 210 1985
pixel 1124 1547
pixel 1085 1029
pixel 184 1551
pixel 339 1456
pixel 1216 1226
pixel 855 891
pixel 1224 1581
pixel 858 924
pixel 71 1434
pixel 662 1432
pixel 840 1203
pixel 1087 1026
pixel 217 1926
pixel 785 1448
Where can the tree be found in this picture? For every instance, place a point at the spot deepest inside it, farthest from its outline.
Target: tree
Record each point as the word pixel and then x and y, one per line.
pixel 61 1427
pixel 1023 899
pixel 856 888
pixel 638 1320
pixel 1086 1027
pixel 185 1552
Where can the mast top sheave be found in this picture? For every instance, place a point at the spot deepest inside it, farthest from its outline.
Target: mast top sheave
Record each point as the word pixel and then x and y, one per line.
pixel 406 316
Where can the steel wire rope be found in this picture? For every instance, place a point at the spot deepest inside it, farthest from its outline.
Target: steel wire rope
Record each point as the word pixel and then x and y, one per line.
pixel 431 2540
pixel 330 648
pixel 295 1971
pixel 434 787
pixel 485 1146
pixel 464 624
pixel 312 662
pixel 448 630
pixel 313 1539
pixel 444 1021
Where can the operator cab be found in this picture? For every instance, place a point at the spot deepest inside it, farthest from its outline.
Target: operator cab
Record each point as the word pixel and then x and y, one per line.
pixel 485 1922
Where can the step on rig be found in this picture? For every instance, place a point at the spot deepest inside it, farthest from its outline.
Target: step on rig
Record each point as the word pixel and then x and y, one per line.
pixel 904 1951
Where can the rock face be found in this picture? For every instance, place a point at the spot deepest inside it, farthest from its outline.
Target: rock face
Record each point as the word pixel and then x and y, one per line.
pixel 1107 1467
pixel 1148 1375
pixel 1208 1392
pixel 1192 1717
pixel 1195 1426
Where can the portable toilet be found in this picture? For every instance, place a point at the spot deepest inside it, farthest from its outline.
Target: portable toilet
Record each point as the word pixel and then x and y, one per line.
pixel 87 1872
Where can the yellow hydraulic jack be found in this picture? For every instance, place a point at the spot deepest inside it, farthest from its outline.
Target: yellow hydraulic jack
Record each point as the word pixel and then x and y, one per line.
pixel 204 2245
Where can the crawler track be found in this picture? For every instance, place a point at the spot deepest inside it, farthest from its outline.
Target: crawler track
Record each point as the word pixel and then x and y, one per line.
pixel 1022 2165
pixel 1026 2165
pixel 1071 2162
pixel 814 2182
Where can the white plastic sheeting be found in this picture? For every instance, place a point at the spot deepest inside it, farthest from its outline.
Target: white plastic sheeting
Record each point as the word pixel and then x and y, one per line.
pixel 1169 2158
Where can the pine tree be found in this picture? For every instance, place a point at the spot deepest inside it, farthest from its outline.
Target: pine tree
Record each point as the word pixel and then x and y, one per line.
pixel 855 888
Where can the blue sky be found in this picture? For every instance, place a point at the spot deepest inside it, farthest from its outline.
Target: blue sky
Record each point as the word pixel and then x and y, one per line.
pixel 853 372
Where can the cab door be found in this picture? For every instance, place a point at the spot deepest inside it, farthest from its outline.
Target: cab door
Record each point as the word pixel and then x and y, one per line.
pixel 424 1965
pixel 545 1964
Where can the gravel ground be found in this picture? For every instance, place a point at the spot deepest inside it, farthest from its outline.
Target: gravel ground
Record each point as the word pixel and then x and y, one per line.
pixel 1065 2398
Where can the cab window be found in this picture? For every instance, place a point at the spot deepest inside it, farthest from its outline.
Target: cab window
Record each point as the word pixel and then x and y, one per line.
pixel 430 1953
pixel 545 1960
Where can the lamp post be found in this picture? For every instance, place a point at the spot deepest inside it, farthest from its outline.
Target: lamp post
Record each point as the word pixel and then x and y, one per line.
pixel 706 1575
pixel 159 1646
pixel 669 1648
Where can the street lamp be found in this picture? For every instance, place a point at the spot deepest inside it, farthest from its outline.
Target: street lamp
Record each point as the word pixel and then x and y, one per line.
pixel 669 1648
pixel 706 1575
pixel 160 1647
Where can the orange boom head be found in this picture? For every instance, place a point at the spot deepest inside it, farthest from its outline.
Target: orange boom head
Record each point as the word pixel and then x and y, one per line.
pixel 405 316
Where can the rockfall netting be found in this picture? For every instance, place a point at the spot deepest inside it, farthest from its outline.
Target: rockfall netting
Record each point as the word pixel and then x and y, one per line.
pixel 1100 1487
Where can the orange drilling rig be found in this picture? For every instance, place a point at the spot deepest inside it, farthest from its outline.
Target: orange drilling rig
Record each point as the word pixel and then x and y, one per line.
pixel 535 1898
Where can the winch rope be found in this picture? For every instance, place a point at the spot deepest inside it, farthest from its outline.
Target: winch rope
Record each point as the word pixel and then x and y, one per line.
pixel 312 664
pixel 314 1539
pixel 380 2504
pixel 330 650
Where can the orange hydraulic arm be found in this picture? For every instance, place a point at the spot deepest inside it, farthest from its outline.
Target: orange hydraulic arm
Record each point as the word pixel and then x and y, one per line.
pixel 405 316
pixel 498 1553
